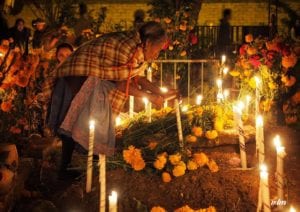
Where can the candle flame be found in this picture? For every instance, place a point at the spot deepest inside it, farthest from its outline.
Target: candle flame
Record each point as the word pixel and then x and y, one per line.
pixel 219 83
pixel 259 121
pixel 184 108
pixel 92 124
pixel 223 59
pixel 263 168
pixel 118 121
pixel 225 70
pixel 277 141
pixel 164 89
pixel 241 105
pixel 199 99
pixel 292 209
pixel 145 100
pixel 226 93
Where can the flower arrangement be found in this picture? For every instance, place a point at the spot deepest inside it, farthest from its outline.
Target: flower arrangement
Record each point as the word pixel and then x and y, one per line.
pixel 276 63
pixel 184 208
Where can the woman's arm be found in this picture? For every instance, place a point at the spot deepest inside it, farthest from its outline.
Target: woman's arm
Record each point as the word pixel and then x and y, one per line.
pixel 135 91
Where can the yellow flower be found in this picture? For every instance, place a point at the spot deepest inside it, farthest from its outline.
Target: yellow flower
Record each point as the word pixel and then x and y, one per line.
pixel 272 85
pixel 211 209
pixel 166 177
pixel 175 159
pixel 160 161
pixel 234 73
pixel 191 165
pixel 252 82
pixel 219 124
pixel 185 208
pixel 247 72
pixel 157 209
pixel 191 138
pixel 211 134
pixel 197 131
pixel 138 164
pixel 179 169
pixel 212 165
pixel 200 158
pixel 131 153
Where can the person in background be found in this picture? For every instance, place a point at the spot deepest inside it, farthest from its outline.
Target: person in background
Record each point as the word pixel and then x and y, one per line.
pixel 3 27
pixel 96 81
pixel 40 27
pixel 295 31
pixel 273 27
pixel 224 36
pixel 20 35
pixel 139 17
pixel 83 27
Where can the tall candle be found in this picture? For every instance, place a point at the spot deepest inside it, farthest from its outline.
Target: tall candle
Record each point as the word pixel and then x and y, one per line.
pixel 147 108
pixel 226 94
pixel 240 128
pixel 102 182
pixel 280 150
pixel 223 59
pixel 179 126
pixel 265 193
pixel 248 99
pixel 259 137
pixel 164 90
pixel 113 202
pixel 199 99
pixel 89 170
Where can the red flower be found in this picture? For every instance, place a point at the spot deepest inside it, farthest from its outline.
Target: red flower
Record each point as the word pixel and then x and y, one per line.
pixel 193 38
pixel 243 49
pixel 255 61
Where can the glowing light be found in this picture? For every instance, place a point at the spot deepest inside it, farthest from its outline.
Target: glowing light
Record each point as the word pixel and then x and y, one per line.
pixel 259 121
pixel 277 141
pixel 226 93
pixel 1 54
pixel 199 99
pixel 164 89
pixel 292 209
pixel 225 70
pixel 241 105
pixel 257 80
pixel 185 108
pixel 220 97
pixel 118 121
pixel 248 99
pixel 223 59
pixel 92 124
pixel 219 83
pixel 145 100
pixel 263 171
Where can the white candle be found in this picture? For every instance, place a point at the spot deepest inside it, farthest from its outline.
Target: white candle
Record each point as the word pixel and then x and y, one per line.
pixel 89 170
pixel 164 90
pixel 265 193
pixel 113 202
pixel 220 96
pixel 257 94
pixel 179 126
pixel 102 182
pixel 226 94
pixel 147 108
pixel 223 59
pixel 240 128
pixel 259 137
pixel 199 99
pixel 131 106
pixel 280 150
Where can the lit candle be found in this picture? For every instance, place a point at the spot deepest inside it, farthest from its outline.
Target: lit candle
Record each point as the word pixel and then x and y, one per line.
pixel 223 59
pixel 118 121
pixel 164 90
pixel 226 94
pixel 131 106
pixel 147 108
pixel 264 186
pixel 179 126
pixel 225 70
pixel 219 83
pixel 237 109
pixel 113 202
pixel 199 99
pixel 280 150
pixel 259 137
pixel 220 96
pixel 89 170
pixel 257 94
pixel 102 182
pixel 292 209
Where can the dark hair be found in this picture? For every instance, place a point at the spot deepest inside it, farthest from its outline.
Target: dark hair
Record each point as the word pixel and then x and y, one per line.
pixel 82 8
pixel 226 12
pixel 64 46
pixel 152 31
pixel 19 20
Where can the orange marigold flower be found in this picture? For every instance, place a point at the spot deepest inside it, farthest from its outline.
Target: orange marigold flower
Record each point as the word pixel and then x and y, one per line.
pixel 249 38
pixel 138 164
pixel 157 209
pixel 6 106
pixel 166 177
pixel 131 153
pixel 200 158
pixel 212 165
pixel 289 61
pixel 160 161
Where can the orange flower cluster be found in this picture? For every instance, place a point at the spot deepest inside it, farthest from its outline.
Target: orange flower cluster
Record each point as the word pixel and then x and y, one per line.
pixel 133 156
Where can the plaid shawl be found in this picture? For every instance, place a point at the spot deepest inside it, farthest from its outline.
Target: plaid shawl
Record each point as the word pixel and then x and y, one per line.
pixel 114 56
